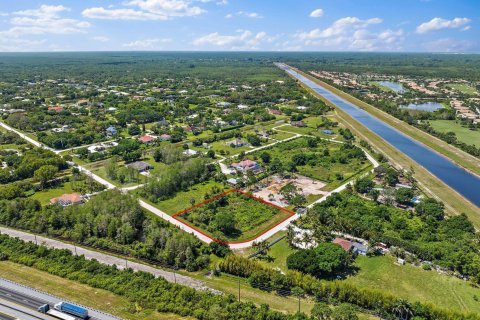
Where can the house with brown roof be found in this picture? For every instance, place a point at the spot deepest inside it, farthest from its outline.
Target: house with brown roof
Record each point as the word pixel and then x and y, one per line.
pixel 67 199
pixel 344 243
pixel 55 108
pixel 147 139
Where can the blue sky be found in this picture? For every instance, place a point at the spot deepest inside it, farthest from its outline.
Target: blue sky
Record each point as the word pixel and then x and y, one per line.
pixel 265 25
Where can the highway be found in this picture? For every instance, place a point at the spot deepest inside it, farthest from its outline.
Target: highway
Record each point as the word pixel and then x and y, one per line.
pixel 23 299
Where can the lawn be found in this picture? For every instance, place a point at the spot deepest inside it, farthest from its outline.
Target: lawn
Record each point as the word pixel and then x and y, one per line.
pixel 463 134
pixel 463 88
pixel 78 293
pixel 234 217
pixel 182 199
pixel 415 284
pixel 281 135
pixel 44 196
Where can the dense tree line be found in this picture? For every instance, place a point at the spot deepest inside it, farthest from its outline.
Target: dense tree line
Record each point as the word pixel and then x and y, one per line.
pixel 110 220
pixel 24 166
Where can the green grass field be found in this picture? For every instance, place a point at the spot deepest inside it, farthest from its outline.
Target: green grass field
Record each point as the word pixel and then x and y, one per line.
pixel 181 201
pixel 463 88
pixel 463 134
pixel 415 284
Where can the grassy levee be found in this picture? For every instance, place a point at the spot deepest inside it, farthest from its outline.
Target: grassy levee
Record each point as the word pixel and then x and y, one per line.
pixel 79 293
pixel 434 187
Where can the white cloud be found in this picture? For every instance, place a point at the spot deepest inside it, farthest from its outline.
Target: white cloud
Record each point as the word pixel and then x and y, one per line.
pixel 247 14
pixel 146 43
pixel 101 38
pixel 439 23
pixel 146 10
pixel 317 13
pixel 46 19
pixel 340 27
pixel 43 20
pixel 244 40
pixel 351 33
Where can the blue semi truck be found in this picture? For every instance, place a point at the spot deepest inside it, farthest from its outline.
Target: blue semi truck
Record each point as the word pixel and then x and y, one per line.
pixel 71 309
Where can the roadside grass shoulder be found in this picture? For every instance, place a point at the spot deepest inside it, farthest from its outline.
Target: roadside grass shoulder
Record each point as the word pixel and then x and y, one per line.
pixel 79 293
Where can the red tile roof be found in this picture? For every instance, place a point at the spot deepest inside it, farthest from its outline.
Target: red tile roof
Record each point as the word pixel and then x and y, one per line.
pixel 345 244
pixel 146 139
pixel 68 197
pixel 55 108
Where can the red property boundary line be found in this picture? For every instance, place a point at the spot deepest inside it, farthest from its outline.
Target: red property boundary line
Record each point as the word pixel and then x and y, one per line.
pixel 223 194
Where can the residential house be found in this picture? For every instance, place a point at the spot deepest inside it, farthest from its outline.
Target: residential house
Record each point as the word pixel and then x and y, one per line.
pixel 165 137
pixel 355 247
pixel 67 199
pixel 274 112
pixel 111 131
pixel 247 165
pixel 55 108
pixel 298 123
pixel 147 139
pixel 190 152
pixel 140 166
pixel 237 143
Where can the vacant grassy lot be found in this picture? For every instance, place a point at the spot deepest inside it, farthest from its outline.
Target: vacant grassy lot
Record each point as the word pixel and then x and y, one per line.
pixel 183 199
pixel 463 88
pixel 234 217
pixel 463 134
pixel 415 284
pixel 79 293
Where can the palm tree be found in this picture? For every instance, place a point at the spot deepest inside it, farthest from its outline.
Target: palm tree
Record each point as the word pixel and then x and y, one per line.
pixel 403 310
